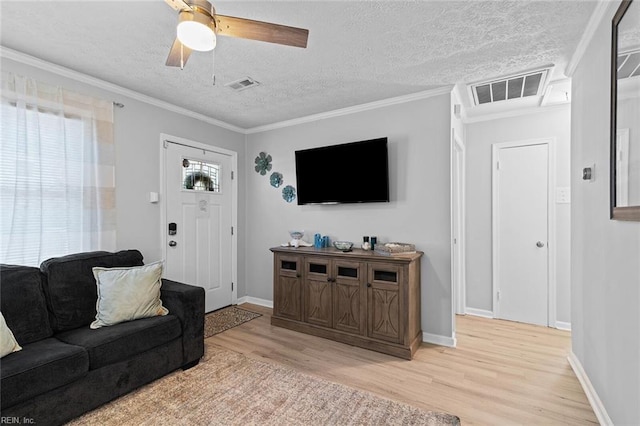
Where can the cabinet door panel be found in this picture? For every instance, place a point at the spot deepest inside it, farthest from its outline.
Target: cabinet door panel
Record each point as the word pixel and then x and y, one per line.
pixel 287 300
pixel 383 297
pixel 318 303
pixel 349 307
pixel 384 314
pixel 318 292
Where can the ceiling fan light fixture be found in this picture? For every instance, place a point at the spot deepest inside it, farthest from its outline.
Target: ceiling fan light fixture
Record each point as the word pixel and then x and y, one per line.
pixel 195 31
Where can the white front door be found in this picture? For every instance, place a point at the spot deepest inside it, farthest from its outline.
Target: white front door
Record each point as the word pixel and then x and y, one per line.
pixel 198 228
pixel 521 235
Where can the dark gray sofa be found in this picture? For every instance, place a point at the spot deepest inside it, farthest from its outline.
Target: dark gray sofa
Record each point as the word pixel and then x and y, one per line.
pixel 65 368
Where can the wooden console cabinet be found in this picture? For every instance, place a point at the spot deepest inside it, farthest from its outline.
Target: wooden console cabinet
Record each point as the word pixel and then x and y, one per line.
pixel 360 297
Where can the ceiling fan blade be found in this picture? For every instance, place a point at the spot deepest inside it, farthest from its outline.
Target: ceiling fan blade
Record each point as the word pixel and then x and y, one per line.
pixel 178 5
pixel 263 31
pixel 178 55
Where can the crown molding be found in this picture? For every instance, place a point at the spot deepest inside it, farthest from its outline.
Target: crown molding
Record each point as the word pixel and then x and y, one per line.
pixel 25 59
pixel 597 16
pixel 517 113
pixel 353 109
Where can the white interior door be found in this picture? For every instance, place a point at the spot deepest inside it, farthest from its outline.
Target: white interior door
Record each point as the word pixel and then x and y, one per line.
pixel 521 233
pixel 198 203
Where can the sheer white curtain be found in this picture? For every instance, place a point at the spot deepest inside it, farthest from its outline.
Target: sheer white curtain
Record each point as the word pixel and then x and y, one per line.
pixel 57 175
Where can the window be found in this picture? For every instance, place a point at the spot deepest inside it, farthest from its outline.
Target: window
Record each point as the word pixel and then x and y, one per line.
pixel 56 173
pixel 200 176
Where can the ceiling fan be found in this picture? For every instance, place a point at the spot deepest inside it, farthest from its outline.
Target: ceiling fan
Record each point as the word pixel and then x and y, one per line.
pixel 198 26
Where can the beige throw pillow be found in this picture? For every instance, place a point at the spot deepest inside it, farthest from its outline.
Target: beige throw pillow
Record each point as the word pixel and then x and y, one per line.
pixel 126 294
pixel 8 342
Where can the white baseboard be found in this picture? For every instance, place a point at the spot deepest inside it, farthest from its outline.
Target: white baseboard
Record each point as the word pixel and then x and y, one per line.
pixel 438 339
pixel 256 301
pixel 560 325
pixel 479 313
pixel 589 390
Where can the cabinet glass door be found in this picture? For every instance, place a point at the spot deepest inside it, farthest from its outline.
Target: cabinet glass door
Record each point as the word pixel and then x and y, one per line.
pixel 349 303
pixel 318 292
pixel 287 303
pixel 383 302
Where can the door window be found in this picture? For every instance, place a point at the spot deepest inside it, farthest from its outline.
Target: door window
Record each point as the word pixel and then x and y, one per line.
pixel 200 176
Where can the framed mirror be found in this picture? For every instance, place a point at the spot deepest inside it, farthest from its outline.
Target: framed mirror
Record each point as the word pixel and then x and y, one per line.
pixel 625 112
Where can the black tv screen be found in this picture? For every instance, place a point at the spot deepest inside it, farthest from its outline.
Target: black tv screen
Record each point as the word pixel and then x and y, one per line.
pixel 356 172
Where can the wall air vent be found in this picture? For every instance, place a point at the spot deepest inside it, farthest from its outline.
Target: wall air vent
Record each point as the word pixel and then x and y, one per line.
pixel 512 87
pixel 629 63
pixel 242 84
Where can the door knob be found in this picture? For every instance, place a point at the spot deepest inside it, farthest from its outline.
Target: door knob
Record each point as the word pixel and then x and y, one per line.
pixel 540 244
pixel 172 243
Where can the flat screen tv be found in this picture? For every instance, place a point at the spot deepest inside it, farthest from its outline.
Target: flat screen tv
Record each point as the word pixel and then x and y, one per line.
pixel 356 172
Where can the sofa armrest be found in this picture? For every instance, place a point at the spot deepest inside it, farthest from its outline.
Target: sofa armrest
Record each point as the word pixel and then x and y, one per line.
pixel 187 303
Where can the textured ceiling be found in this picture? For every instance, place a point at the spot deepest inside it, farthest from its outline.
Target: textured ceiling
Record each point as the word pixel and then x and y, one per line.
pixel 358 51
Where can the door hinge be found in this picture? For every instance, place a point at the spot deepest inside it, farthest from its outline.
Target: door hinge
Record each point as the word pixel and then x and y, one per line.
pixel 232 230
pixel 231 174
pixel 497 165
pixel 498 294
pixel 232 286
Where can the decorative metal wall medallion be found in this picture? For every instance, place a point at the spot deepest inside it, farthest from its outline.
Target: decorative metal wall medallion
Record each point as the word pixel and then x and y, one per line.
pixel 263 163
pixel 289 193
pixel 276 179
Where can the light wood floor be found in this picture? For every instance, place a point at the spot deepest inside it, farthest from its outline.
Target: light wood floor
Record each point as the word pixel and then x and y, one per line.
pixel 501 372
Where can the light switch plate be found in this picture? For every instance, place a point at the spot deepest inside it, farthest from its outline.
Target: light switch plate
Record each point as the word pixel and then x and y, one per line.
pixel 154 197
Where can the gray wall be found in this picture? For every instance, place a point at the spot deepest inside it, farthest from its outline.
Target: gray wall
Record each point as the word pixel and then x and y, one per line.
pixel 605 254
pixel 480 136
pixel 137 129
pixel 419 211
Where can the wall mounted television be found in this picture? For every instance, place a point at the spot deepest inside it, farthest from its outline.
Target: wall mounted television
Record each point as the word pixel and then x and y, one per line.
pixel 356 172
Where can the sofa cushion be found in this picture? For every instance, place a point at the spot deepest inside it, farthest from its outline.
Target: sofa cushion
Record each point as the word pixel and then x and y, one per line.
pixel 23 304
pixel 71 288
pixel 40 367
pixel 108 345
pixel 127 294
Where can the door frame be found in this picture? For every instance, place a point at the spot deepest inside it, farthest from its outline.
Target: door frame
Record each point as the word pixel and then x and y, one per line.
pixel 551 222
pixel 166 138
pixel 458 214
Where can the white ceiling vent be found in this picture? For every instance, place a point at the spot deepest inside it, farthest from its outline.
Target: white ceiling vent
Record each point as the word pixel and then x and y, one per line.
pixel 242 84
pixel 512 87
pixel 629 64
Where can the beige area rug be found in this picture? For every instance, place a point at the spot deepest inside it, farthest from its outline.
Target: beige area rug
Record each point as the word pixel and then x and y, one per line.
pixel 226 318
pixel 228 388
